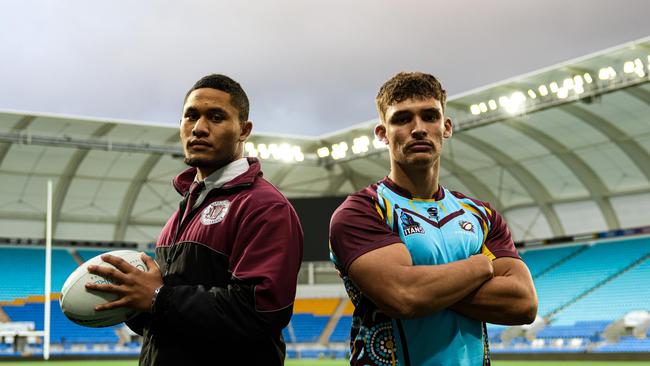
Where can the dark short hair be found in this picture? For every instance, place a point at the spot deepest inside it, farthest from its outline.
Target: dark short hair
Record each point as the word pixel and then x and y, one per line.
pixel 238 96
pixel 409 85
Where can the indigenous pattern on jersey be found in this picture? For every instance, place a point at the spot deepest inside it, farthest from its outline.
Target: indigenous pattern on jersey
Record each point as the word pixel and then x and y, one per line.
pixel 447 228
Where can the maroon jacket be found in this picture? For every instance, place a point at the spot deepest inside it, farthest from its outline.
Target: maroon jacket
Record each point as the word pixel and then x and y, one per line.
pixel 230 271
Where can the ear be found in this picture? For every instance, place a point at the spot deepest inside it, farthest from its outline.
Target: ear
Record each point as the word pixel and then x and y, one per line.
pixel 448 128
pixel 380 132
pixel 246 128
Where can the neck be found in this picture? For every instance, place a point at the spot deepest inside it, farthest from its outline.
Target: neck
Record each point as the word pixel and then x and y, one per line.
pixel 421 182
pixel 203 172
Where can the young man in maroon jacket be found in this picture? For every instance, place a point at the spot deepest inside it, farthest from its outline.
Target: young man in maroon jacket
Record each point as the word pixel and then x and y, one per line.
pixel 228 258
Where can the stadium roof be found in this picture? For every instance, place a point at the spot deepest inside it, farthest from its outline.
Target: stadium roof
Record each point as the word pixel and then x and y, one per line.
pixel 559 151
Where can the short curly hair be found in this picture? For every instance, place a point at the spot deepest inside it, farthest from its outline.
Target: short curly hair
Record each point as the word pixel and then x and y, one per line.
pixel 238 97
pixel 407 85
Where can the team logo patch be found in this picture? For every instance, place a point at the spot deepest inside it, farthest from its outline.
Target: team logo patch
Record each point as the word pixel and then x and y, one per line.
pixel 215 212
pixel 467 226
pixel 410 226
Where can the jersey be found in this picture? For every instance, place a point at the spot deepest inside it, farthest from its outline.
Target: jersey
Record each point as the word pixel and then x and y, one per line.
pixel 447 228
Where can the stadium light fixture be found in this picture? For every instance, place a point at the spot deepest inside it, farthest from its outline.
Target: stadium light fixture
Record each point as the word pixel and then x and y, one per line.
pixel 285 153
pixel 532 94
pixel 483 107
pixel 607 73
pixel 323 152
pixel 554 87
pixel 638 68
pixel 475 109
pixel 562 93
pixel 543 90
pixel 567 83
pixel 360 144
pixel 628 67
pixel 578 81
pixel 492 104
pixel 579 89
pixel 264 152
pixel 588 78
pixel 378 144
pixel 339 150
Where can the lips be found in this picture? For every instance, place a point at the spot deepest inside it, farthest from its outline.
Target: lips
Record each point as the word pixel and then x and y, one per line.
pixel 198 143
pixel 420 145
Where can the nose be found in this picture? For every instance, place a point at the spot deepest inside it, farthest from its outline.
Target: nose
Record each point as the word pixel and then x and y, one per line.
pixel 419 128
pixel 200 128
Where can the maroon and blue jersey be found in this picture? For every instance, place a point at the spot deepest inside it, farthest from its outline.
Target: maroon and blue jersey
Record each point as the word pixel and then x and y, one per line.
pixel 446 228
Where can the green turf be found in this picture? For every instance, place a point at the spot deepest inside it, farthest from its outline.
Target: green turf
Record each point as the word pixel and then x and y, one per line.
pixel 332 363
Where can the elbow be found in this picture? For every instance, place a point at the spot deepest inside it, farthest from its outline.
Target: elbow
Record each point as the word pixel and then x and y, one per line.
pixel 529 314
pixel 527 311
pixel 402 305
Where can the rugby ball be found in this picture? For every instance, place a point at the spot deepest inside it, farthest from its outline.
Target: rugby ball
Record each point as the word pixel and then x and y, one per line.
pixel 78 303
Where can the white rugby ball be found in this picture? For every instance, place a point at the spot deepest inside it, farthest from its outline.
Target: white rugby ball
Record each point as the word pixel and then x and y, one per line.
pixel 78 303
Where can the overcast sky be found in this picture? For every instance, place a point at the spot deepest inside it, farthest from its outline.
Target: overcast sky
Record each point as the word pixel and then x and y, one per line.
pixel 309 67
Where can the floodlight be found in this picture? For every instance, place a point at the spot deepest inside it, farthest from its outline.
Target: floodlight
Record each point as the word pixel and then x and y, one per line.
pixel 323 152
pixel 554 87
pixel 378 144
pixel 577 80
pixel 492 104
pixel 483 107
pixel 475 109
pixel 532 94
pixel 543 91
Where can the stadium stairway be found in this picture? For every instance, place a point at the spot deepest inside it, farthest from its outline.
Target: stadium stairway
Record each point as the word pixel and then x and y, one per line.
pixel 334 319
pixel 543 261
pixel 4 318
pixel 598 285
pixel 76 256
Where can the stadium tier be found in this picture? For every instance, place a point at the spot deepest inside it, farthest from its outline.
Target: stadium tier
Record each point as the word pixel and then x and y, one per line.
pixel 583 271
pixel 63 330
pixel 583 290
pixel 24 271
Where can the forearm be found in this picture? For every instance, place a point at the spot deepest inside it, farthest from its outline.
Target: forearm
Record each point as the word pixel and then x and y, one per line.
pixel 508 299
pixel 427 289
pixel 228 311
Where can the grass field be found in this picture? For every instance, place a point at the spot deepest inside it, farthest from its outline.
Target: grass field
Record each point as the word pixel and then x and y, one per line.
pixel 333 363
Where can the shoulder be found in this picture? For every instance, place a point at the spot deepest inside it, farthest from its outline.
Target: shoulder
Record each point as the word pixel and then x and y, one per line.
pixel 360 202
pixel 262 192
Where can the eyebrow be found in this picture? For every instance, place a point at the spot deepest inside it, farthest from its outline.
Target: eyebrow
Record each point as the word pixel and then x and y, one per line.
pixel 212 110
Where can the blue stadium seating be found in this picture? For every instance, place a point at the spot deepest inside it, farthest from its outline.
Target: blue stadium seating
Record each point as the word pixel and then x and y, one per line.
pixel 613 300
pixel 307 327
pixel 540 260
pixel 625 344
pixel 341 332
pixel 24 271
pixel 63 330
pixel 580 273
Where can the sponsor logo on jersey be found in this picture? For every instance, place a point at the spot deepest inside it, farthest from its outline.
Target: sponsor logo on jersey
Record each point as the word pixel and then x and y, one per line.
pixel 409 225
pixel 215 212
pixel 466 225
pixel 433 212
